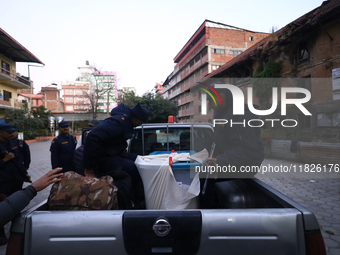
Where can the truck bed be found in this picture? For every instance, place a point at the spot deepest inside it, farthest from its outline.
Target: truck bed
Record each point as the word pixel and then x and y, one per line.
pixel 273 224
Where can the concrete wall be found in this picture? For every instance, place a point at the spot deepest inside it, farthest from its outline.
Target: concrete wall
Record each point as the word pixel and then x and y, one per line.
pixel 79 116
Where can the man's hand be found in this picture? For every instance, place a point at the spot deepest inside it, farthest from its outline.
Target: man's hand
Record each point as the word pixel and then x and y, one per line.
pixel 89 173
pixel 8 157
pixel 47 179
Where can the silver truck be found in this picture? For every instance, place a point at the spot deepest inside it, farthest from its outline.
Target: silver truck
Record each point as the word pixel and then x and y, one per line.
pixel 253 218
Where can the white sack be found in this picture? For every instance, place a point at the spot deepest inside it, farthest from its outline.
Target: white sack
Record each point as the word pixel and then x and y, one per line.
pixel 160 186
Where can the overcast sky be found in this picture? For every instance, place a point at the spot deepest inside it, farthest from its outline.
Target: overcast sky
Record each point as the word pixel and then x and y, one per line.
pixel 137 39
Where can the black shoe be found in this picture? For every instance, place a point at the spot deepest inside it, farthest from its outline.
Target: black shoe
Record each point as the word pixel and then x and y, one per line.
pixel 3 240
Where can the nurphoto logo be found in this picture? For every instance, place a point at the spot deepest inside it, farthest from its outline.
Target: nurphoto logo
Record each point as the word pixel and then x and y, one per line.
pixel 238 103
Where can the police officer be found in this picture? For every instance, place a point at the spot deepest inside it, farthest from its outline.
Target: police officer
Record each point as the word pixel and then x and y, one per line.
pixel 105 150
pixel 15 159
pixel 62 148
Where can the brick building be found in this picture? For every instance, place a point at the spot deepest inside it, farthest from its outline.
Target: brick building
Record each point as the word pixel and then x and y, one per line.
pixel 51 99
pixel 211 46
pixel 75 97
pixel 36 100
pixel 308 50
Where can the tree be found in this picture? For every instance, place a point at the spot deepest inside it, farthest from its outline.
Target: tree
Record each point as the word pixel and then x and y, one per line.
pixel 100 90
pixel 30 124
pixel 160 107
pixel 128 98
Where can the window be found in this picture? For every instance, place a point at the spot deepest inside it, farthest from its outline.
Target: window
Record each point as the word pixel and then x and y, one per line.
pixel 69 108
pixel 251 38
pixel 69 100
pixel 235 52
pixel 7 95
pixel 214 67
pixel 68 92
pixel 79 92
pixel 303 52
pixel 5 67
pixel 218 51
pixel 328 119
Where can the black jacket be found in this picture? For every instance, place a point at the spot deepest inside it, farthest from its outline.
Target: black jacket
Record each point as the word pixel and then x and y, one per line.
pixel 108 138
pixel 8 170
pixel 62 151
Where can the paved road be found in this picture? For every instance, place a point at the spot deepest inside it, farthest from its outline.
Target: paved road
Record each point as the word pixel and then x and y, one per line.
pixel 320 195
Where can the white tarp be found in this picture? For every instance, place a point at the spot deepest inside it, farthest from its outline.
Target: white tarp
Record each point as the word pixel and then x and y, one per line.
pixel 162 190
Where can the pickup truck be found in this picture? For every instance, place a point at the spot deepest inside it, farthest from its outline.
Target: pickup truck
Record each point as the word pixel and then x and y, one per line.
pixel 253 218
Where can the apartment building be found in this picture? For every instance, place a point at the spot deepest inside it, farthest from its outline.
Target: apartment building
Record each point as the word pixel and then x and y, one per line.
pixel 76 96
pixel 308 50
pixel 211 46
pixel 12 52
pixel 106 83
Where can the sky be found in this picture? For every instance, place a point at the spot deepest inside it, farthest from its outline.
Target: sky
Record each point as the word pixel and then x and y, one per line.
pixel 137 39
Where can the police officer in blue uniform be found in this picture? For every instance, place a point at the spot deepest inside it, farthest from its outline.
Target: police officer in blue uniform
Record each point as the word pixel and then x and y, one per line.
pixel 105 150
pixel 15 159
pixel 62 148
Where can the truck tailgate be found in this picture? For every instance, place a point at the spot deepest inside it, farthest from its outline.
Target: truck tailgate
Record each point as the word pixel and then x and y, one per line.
pixel 228 231
pixel 252 231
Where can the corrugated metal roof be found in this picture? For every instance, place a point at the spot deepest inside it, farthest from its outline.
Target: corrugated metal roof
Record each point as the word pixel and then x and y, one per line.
pixel 14 50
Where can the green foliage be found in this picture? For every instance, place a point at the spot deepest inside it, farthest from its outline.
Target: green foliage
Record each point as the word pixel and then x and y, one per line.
pixel 33 124
pixel 128 98
pixel 160 107
pixel 262 85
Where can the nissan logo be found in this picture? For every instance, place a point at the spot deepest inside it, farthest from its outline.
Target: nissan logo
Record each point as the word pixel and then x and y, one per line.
pixel 161 227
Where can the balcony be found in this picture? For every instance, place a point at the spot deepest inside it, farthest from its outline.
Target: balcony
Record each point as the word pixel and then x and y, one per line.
pixel 12 104
pixel 15 80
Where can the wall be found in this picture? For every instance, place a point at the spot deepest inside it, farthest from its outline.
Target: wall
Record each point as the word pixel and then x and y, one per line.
pixel 51 99
pixel 307 152
pixel 10 62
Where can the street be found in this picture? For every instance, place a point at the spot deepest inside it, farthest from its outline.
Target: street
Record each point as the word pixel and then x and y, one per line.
pixel 320 195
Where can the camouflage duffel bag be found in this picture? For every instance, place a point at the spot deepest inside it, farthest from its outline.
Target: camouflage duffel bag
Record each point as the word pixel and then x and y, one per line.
pixel 75 192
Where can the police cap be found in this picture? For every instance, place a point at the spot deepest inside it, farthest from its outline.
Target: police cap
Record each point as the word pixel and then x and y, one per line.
pixel 141 112
pixel 63 124
pixel 8 128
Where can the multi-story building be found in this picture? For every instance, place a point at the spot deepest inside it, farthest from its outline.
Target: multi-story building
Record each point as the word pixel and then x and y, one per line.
pixel 309 53
pixel 12 52
pixel 105 82
pixel 80 96
pixel 33 101
pixel 51 99
pixel 211 46
pixel 76 96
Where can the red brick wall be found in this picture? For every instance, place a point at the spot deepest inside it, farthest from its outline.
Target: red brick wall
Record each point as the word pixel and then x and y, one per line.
pixel 51 99
pixel 233 38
